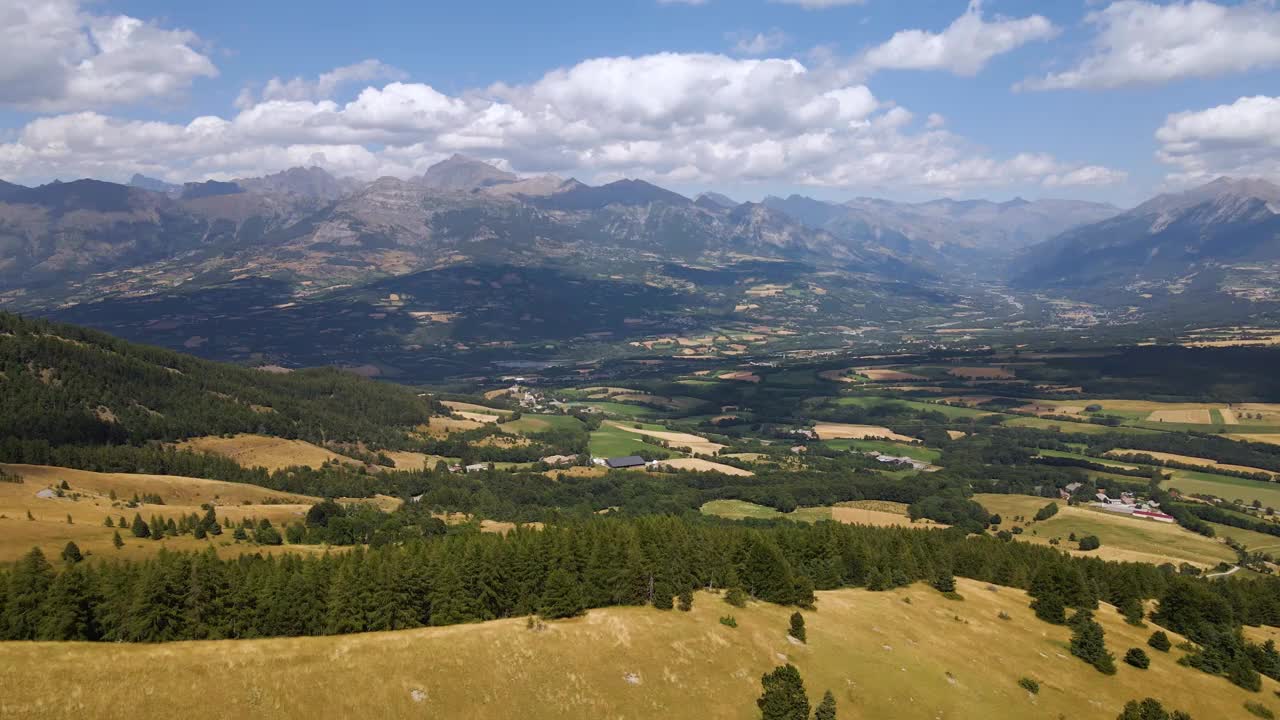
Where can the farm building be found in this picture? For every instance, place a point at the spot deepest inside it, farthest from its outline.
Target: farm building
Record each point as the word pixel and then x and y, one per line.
pixel 629 461
pixel 558 460
pixel 477 467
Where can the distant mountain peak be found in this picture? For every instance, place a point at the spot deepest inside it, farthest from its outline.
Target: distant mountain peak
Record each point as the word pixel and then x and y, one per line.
pixel 154 184
pixel 313 181
pixel 715 199
pixel 460 173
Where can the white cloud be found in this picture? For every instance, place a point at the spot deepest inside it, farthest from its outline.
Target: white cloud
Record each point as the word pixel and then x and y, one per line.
pixel 324 86
pixel 1142 43
pixel 963 48
pixel 1240 139
pixel 821 4
pixel 56 57
pixel 760 43
pixel 676 118
pixel 1087 175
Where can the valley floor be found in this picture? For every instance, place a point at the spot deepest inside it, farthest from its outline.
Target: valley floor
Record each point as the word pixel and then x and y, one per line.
pixel 908 653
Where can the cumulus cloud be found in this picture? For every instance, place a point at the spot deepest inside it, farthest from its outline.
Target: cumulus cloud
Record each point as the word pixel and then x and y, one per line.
pixel 676 118
pixel 1143 43
pixel 821 4
pixel 1241 138
pixel 963 48
pixel 323 86
pixel 758 44
pixel 55 57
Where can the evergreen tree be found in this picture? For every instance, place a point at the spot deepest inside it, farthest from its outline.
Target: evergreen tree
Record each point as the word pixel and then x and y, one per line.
pixel 783 697
pixel 662 595
pixel 1088 644
pixel 945 582
pixel 686 600
pixel 1137 658
pixel 797 627
pixel 71 553
pixel 108 522
pixel 29 580
pixel 562 597
pixel 1160 641
pixel 1131 608
pixel 1242 673
pixel 68 609
pixel 826 709
pixel 1148 709
pixel 1050 608
pixel 139 527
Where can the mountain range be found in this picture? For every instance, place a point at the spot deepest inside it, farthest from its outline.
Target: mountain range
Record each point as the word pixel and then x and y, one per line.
pixel 90 249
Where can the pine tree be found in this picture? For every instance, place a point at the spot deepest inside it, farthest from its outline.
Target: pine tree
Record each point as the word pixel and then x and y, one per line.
pixel 945 582
pixel 71 553
pixel 68 609
pixel 562 597
pixel 139 528
pixel 686 600
pixel 827 708
pixel 797 627
pixel 783 697
pixel 116 541
pixel 1050 608
pixel 1131 608
pixel 1160 641
pixel 1088 644
pixel 1137 658
pixel 108 522
pixel 29 580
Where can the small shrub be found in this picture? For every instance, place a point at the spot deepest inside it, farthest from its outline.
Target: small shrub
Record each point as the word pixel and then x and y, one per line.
pixel 797 627
pixel 1137 658
pixel 736 597
pixel 1029 685
pixel 1260 710
pixel 1004 615
pixel 1090 542
pixel 729 621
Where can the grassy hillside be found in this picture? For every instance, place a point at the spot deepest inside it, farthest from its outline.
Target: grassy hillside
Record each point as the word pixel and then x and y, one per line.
pixel 904 654
pixel 1123 538
pixel 64 384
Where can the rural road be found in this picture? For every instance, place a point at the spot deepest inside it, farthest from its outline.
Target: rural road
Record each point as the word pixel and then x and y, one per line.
pixel 1232 571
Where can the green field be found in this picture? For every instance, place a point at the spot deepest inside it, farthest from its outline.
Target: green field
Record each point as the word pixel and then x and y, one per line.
pixel 615 408
pixel 1255 541
pixel 542 423
pixel 916 452
pixel 948 410
pixel 741 509
pixel 610 441
pixel 1225 487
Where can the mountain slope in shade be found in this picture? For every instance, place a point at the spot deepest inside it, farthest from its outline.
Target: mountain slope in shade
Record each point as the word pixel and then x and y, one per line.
pixel 153 184
pixel 460 173
pixel 1224 224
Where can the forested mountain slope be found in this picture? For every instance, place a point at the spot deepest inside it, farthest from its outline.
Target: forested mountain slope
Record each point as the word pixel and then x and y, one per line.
pixel 65 384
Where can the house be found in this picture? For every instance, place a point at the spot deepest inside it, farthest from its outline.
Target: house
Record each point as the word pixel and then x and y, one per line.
pixel 477 467
pixel 629 461
pixel 1102 497
pixel 558 460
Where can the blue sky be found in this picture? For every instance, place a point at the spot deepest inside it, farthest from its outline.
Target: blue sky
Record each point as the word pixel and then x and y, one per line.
pixel 905 99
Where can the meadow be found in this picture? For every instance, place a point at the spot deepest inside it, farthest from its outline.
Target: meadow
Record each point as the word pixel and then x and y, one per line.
pixel 908 654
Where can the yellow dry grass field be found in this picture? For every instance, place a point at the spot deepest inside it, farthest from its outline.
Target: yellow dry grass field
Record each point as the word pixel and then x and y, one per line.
pixel 88 502
pixel 441 425
pixel 843 431
pixel 1229 416
pixel 981 373
pixel 1188 460
pixel 1272 438
pixel 406 460
pixel 1124 538
pixel 701 465
pixel 906 654
pixel 861 516
pixel 742 375
pixel 1198 416
pixel 262 451
pixel 471 411
pixel 767 290
pixel 886 375
pixel 956 434
pixel 697 444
